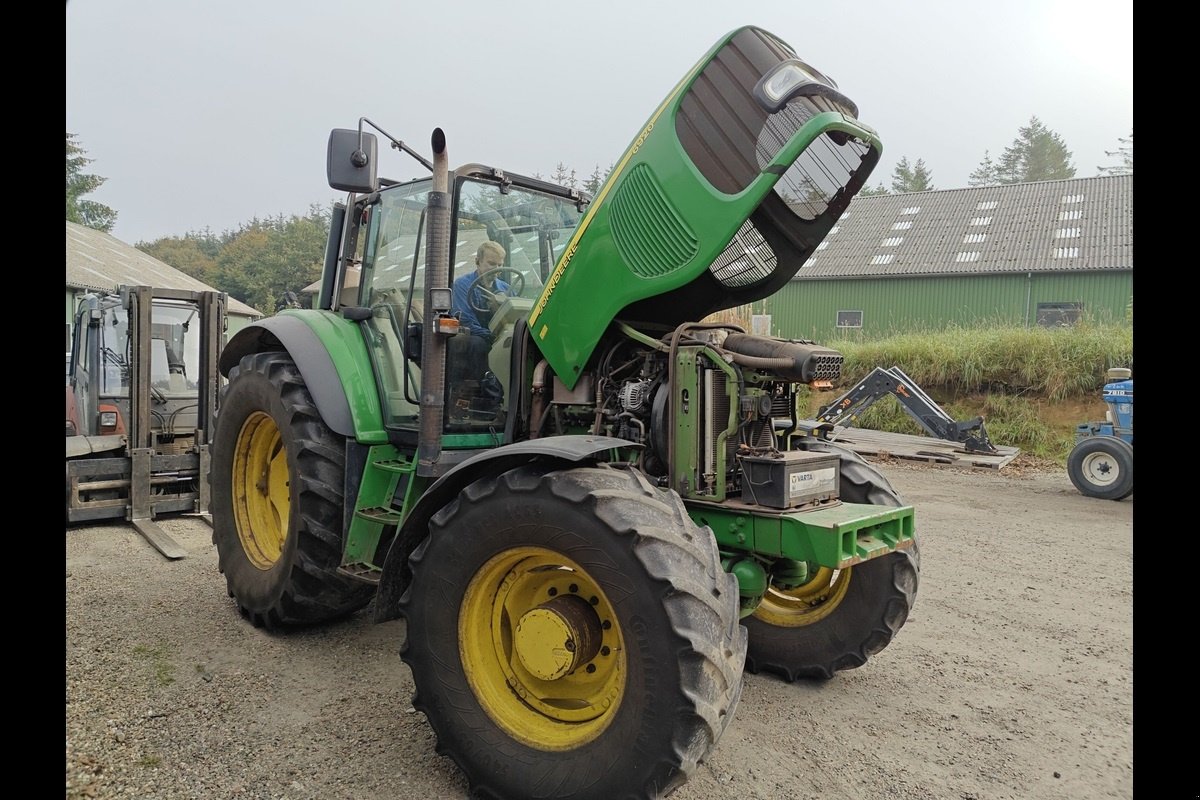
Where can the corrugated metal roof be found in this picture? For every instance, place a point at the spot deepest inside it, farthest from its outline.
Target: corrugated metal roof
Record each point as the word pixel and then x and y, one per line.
pixel 1081 224
pixel 98 261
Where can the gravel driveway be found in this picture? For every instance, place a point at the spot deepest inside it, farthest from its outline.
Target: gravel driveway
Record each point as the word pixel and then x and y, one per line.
pixel 1012 679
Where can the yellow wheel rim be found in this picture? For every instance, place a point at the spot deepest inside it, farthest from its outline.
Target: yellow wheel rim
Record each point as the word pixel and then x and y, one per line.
pixel 261 498
pixel 542 649
pixel 810 602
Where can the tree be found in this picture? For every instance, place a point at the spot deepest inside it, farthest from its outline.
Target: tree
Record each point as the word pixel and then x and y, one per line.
pixel 867 191
pixel 187 254
pixel 911 177
pixel 1124 152
pixel 1037 154
pixel 567 176
pixel 564 176
pixel 85 212
pixel 985 173
pixel 594 181
pixel 258 263
pixel 242 268
pixel 267 258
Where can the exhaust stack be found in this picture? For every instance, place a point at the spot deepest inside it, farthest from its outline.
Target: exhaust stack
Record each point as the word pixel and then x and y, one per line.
pixel 437 301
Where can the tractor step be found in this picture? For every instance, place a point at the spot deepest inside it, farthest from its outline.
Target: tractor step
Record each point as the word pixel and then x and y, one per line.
pixel 385 516
pixel 362 572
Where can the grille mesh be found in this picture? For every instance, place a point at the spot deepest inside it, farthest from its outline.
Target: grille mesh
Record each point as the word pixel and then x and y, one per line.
pixel 652 238
pixel 747 259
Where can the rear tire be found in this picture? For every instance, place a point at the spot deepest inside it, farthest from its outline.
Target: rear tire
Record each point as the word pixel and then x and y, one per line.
pixel 277 499
pixel 571 633
pixel 1102 466
pixel 838 619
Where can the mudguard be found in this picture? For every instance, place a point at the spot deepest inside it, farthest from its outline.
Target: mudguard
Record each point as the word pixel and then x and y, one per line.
pixel 331 355
pixel 566 450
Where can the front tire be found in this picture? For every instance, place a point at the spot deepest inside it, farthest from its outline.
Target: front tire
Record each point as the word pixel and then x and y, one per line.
pixel 277 499
pixel 1102 466
pixel 571 633
pixel 839 618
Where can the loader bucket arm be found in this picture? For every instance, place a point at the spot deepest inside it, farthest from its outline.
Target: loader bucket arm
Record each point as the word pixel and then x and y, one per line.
pixel 723 195
pixel 881 383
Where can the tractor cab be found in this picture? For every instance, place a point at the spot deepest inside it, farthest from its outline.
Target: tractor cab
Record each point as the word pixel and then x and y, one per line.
pixel 507 233
pixel 100 366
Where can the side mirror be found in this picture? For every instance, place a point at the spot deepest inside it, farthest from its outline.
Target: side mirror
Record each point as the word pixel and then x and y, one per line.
pixel 350 164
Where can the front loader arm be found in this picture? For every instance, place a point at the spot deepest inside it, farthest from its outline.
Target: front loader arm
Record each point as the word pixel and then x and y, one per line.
pixel 881 383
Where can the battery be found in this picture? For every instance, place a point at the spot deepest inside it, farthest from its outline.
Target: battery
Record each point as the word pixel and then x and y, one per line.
pixel 790 479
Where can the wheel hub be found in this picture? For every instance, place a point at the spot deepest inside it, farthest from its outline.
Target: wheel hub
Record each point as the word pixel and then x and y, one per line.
pixel 1101 468
pixel 261 490
pixel 521 614
pixel 810 602
pixel 556 637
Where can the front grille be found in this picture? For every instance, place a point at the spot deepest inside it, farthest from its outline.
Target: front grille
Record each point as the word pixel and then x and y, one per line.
pixel 746 260
pixel 651 237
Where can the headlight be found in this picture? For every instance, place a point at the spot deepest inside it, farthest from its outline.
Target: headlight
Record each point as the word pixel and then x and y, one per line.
pixel 791 78
pixel 108 419
pixel 441 299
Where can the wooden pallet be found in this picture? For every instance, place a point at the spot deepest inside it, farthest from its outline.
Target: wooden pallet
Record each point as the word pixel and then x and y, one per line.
pixel 920 448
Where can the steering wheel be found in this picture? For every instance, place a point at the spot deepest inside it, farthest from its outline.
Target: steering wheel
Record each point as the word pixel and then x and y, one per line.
pixel 516 285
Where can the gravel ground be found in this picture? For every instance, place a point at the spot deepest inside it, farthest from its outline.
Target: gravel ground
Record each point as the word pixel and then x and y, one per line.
pixel 1011 680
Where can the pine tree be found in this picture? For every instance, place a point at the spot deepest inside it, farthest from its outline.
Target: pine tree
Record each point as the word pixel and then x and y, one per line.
pixel 911 177
pixel 85 212
pixel 594 181
pixel 985 173
pixel 1124 152
pixel 562 174
pixel 867 191
pixel 1037 154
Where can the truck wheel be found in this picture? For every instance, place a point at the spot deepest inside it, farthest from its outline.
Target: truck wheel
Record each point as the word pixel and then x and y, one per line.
pixel 571 633
pixel 839 618
pixel 1102 466
pixel 277 499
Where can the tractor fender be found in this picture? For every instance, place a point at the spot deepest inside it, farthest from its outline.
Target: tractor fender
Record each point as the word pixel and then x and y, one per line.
pixel 315 358
pixel 562 450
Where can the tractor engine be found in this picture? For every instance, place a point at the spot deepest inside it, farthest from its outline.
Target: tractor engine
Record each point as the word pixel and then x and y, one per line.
pixel 707 402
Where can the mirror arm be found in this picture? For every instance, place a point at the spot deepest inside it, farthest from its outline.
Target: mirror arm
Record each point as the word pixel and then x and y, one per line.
pixel 359 157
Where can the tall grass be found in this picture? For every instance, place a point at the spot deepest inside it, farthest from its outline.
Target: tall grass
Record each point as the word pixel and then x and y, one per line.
pixel 1054 363
pixel 1015 372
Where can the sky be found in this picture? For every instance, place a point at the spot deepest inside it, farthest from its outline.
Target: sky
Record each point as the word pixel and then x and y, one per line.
pixel 205 114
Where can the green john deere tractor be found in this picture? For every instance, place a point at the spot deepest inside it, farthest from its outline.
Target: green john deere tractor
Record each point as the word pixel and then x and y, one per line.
pixel 505 422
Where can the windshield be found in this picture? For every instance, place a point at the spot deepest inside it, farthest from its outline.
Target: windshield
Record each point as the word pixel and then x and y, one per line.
pixel 533 228
pixel 174 350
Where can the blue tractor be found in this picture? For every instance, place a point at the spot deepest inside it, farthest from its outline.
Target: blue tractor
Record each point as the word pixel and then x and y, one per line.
pixel 1101 463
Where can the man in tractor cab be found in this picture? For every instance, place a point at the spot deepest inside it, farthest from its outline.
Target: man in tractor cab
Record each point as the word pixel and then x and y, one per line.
pixel 472 301
pixel 468 309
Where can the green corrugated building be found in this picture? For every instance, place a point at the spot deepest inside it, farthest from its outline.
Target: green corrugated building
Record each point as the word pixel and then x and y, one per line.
pixel 1046 253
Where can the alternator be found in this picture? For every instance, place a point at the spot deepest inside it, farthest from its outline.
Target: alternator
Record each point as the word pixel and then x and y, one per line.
pixel 635 397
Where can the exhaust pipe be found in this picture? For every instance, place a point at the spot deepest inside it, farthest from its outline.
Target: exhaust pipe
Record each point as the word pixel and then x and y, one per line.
pixel 437 280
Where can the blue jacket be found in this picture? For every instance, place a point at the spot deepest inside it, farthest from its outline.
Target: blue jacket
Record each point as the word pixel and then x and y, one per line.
pixel 462 308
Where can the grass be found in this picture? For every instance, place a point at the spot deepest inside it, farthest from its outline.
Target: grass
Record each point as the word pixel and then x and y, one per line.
pixel 1032 386
pixel 164 670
